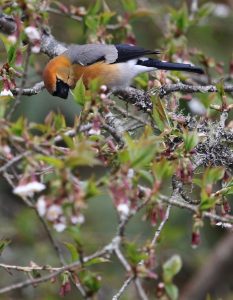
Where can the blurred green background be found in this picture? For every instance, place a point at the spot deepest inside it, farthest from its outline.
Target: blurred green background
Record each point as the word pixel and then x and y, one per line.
pixel 28 239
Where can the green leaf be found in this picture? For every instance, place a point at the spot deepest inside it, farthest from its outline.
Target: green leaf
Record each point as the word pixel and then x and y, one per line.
pixel 190 140
pixel 212 175
pixel 228 189
pixel 79 92
pixel 55 162
pixel 18 128
pixel 139 153
pixel 11 54
pixel 73 251
pixel 91 189
pixel 220 88
pixel 68 140
pixel 59 121
pixel 75 233
pixel 171 267
pixel 162 169
pixel 146 175
pixel 92 22
pixel 106 17
pixel 129 5
pixel 207 202
pixel 82 154
pixel 172 291
pixel 133 254
pixel 3 244
pixel 180 18
pixel 160 115
pixel 90 280
pixel 198 182
pixel 205 10
pixel 97 260
pixel 95 8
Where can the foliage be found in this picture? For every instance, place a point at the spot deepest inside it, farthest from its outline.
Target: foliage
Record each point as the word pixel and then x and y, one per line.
pixel 142 161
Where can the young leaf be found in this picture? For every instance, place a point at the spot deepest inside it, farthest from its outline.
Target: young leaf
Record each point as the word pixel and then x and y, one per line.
pixel 171 267
pixel 79 92
pixel 162 169
pixel 129 5
pixel 3 244
pixel 212 175
pixel 190 140
pixel 95 8
pixel 55 162
pixel 11 54
pixel 172 291
pixel 97 260
pixel 90 281
pixel 73 251
pixel 160 115
pixel 133 254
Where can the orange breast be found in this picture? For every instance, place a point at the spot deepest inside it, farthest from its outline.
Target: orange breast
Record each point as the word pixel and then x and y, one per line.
pixel 107 74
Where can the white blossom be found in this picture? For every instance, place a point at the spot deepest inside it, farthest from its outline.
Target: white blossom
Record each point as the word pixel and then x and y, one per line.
pixel 32 33
pixel 123 209
pixel 80 219
pixel 29 188
pixel 53 212
pixel 103 96
pixel 221 11
pixel 94 131
pixel 103 88
pixel 196 107
pixel 6 150
pixel 130 173
pixel 82 10
pixel 41 206
pixel 12 39
pixel 35 49
pixel 59 227
pixel 5 93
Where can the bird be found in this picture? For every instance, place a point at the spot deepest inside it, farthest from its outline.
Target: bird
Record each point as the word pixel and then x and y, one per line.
pixel 115 66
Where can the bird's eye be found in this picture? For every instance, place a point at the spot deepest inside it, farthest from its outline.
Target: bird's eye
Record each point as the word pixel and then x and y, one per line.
pixel 58 80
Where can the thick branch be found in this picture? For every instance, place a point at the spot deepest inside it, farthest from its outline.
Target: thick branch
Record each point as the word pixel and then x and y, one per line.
pixel 136 97
pixel 50 46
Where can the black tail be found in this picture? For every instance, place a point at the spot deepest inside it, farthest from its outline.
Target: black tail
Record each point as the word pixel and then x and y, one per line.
pixel 162 65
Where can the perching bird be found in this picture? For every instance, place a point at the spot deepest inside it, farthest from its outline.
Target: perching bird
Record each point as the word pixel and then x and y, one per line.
pixel 114 65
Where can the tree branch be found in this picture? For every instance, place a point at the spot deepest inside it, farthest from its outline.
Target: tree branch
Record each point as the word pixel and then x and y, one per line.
pixel 185 88
pixel 34 90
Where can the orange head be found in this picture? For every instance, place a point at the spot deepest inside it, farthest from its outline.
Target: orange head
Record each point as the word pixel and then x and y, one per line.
pixel 56 76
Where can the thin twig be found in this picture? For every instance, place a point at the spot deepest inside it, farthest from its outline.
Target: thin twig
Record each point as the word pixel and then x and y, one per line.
pixel 140 289
pixel 161 225
pixel 13 161
pixel 79 18
pixel 53 242
pixel 193 208
pixel 123 288
pixel 47 277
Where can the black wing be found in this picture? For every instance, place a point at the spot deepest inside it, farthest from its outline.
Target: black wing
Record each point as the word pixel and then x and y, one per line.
pixel 127 52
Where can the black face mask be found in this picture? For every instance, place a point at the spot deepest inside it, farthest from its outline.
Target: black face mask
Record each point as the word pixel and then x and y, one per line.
pixel 62 89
